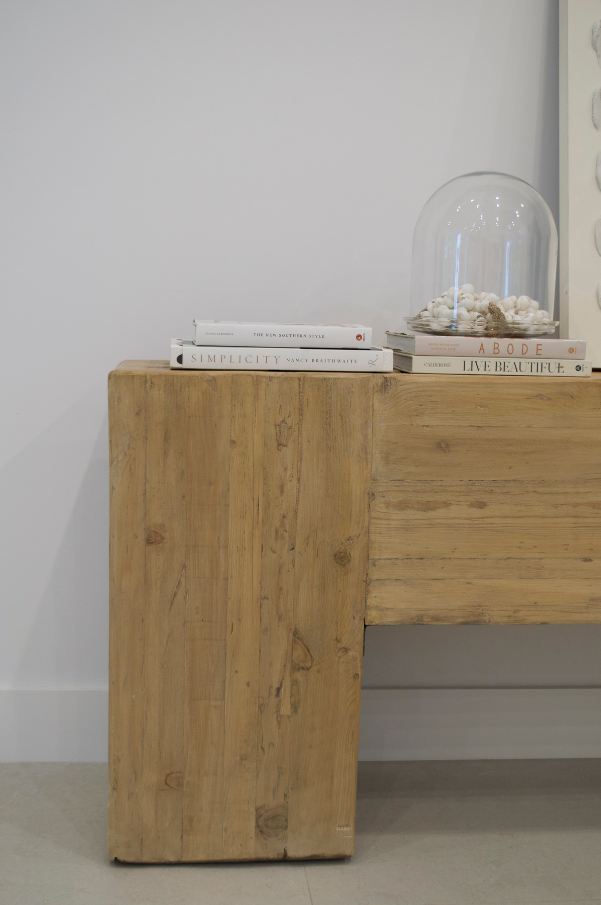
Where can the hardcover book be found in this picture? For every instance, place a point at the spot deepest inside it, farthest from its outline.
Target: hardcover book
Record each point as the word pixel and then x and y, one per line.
pixel 186 354
pixel 491 347
pixel 531 367
pixel 294 336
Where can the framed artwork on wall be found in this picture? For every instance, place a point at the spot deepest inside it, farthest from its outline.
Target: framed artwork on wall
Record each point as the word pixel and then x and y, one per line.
pixel 580 173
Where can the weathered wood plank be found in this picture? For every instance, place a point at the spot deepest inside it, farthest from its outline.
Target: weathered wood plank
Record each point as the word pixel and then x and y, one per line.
pixel 425 399
pixel 243 617
pixel 508 601
pixel 442 566
pixel 487 538
pixel 204 472
pixel 460 453
pixel 457 429
pixel 278 589
pixel 127 419
pixel 331 559
pixel 162 681
pixel 437 502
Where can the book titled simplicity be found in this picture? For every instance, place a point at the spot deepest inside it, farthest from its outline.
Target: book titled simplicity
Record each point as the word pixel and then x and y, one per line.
pixel 186 354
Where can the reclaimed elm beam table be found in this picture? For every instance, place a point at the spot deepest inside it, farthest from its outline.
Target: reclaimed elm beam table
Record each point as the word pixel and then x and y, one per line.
pixel 258 521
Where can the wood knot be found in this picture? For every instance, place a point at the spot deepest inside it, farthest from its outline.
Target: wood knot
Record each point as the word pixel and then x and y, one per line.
pixel 154 537
pixel 342 557
pixel 478 504
pixel 272 822
pixel 301 655
pixel 210 381
pixel 175 781
pixel 282 433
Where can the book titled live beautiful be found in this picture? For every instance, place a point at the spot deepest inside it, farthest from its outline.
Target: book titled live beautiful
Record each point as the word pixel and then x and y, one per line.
pixel 529 367
pixel 487 347
pixel 186 354
pixel 307 336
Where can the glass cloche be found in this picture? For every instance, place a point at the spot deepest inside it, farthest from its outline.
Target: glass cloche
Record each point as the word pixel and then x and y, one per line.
pixel 484 259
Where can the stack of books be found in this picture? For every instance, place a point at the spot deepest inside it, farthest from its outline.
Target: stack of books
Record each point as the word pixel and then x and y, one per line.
pixel 234 345
pixel 422 353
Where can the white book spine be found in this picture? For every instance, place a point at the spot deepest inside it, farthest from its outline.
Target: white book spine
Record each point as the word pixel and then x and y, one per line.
pixel 252 358
pixel 529 367
pixel 293 336
pixel 489 347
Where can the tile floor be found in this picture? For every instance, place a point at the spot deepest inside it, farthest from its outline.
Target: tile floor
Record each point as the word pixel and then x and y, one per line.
pixel 429 833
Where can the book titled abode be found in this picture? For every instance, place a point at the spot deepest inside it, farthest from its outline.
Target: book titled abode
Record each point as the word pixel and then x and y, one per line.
pixel 486 347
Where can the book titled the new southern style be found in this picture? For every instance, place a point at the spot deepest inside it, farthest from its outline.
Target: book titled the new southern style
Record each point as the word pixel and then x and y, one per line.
pixel 307 336
pixel 185 354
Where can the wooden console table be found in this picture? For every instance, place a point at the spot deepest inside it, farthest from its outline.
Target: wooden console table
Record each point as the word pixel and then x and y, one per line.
pixel 258 521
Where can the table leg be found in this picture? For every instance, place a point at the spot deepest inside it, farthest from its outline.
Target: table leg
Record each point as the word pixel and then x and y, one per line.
pixel 239 521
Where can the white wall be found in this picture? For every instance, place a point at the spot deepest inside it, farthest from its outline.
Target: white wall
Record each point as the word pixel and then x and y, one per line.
pixel 165 159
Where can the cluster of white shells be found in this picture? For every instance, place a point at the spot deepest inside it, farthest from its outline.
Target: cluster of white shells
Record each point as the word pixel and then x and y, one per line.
pixel 478 309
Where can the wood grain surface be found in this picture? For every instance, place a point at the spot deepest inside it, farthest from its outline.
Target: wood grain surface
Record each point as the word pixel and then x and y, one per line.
pixel 239 518
pixel 257 520
pixel 486 501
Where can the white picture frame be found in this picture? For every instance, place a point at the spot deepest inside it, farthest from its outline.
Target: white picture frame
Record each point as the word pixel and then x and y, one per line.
pixel 580 173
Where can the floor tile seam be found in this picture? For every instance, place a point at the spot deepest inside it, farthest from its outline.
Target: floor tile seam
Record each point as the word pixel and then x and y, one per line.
pixel 528 902
pixel 515 902
pixel 308 885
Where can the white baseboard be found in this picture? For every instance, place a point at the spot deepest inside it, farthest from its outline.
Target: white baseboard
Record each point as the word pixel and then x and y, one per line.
pixel 70 724
pixel 479 723
pixel 54 724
